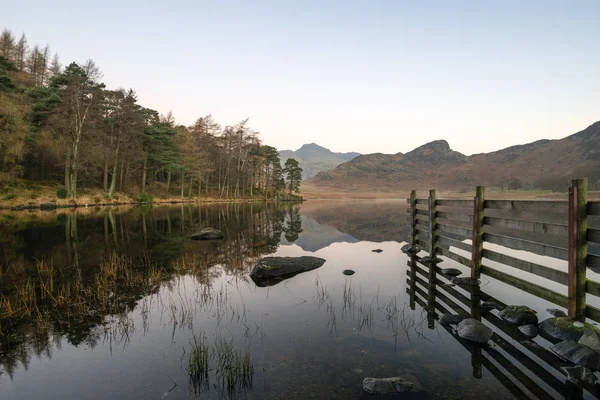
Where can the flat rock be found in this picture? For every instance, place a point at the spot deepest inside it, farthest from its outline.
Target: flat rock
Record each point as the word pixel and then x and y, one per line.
pixel 530 330
pixel 451 272
pixel 561 328
pixel 473 330
pixel 377 251
pixel 591 339
pixel 431 260
pixel 519 315
pixel 466 281
pixel 410 248
pixel 579 374
pixel 450 319
pixel 271 270
pixel 208 234
pixel 555 312
pixel 348 272
pixel 386 385
pixel 491 305
pixel 577 354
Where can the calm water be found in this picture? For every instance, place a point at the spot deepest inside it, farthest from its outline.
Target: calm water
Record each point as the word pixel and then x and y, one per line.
pixel 108 303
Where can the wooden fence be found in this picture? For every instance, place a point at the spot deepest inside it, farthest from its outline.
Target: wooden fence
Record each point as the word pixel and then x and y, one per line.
pixel 557 229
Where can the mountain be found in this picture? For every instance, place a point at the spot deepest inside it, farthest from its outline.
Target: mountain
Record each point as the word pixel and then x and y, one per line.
pixel 544 164
pixel 314 158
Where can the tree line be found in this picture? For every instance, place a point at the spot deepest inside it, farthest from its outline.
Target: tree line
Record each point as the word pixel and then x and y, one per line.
pixel 61 124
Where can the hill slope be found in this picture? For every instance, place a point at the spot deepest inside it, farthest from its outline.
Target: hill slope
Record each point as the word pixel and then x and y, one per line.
pixel 544 164
pixel 314 158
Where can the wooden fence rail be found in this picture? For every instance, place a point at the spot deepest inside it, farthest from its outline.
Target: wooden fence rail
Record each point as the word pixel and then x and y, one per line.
pixel 556 229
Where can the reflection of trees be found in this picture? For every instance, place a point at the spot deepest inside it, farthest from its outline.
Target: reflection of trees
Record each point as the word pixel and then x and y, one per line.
pixel 94 266
pixel 293 222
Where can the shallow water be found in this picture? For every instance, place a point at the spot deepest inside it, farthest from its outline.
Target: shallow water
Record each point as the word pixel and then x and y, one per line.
pixel 121 295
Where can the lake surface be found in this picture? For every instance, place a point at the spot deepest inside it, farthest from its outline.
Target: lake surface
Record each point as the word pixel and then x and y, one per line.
pixel 119 303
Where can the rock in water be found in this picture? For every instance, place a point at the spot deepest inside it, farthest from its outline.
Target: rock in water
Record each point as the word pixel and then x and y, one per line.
pixel 530 331
pixel 555 312
pixel 474 330
pixel 491 305
pixel 561 328
pixel 410 249
pixel 348 272
pixel 431 260
pixel 280 268
pixel 386 385
pixel 577 354
pixel 377 251
pixel 208 234
pixel 466 281
pixel 451 272
pixel 519 315
pixel 578 374
pixel 591 339
pixel 450 319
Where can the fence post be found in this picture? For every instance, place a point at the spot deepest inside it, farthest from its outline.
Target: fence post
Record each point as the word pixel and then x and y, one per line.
pixel 432 223
pixel 477 245
pixel 413 217
pixel 577 248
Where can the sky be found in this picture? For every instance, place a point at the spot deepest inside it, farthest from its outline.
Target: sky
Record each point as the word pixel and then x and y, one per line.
pixel 366 76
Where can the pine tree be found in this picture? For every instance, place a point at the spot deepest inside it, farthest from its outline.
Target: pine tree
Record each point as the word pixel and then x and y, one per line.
pixel 294 175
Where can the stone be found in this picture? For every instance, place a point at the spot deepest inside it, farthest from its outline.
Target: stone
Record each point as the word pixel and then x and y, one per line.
pixel 272 270
pixel 579 374
pixel 530 330
pixel 491 305
pixel 451 272
pixel 466 281
pixel 519 315
pixel 348 272
pixel 386 385
pixel 450 319
pixel 208 234
pixel 377 251
pixel 578 324
pixel 577 354
pixel 561 328
pixel 555 312
pixel 591 339
pixel 431 260
pixel 410 249
pixel 473 330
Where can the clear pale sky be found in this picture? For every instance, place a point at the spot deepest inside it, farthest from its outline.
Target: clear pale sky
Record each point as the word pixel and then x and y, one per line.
pixel 367 76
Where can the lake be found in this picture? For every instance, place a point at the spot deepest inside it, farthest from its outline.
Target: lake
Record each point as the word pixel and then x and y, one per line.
pixel 119 303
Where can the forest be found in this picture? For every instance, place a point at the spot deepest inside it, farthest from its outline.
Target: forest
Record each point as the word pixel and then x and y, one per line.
pixel 62 128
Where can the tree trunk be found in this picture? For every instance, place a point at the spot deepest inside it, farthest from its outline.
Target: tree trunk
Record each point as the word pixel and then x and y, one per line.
pixel 68 171
pixel 105 172
pixel 168 181
pixel 113 179
pixel 121 177
pixel 182 185
pixel 144 173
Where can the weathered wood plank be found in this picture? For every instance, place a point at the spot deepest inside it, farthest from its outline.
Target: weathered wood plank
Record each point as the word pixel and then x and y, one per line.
pixel 577 253
pixel 592 313
pixel 553 218
pixel 536 269
pixel 477 240
pixel 455 257
pixel 446 242
pixel 528 287
pixel 593 261
pixel 424 213
pixel 527 245
pixel 432 223
pixel 463 233
pixel 467 204
pixel 421 201
pixel 593 208
pixel 450 216
pixel 592 287
pixel 529 226
pixel 538 206
pixel 593 235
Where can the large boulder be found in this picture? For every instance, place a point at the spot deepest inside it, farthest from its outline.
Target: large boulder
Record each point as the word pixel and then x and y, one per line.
pixel 473 330
pixel 519 315
pixel 450 319
pixel 386 385
pixel 491 305
pixel 530 330
pixel 555 312
pixel 562 328
pixel 466 281
pixel 451 272
pixel 591 338
pixel 208 234
pixel 272 270
pixel 577 354
pixel 578 374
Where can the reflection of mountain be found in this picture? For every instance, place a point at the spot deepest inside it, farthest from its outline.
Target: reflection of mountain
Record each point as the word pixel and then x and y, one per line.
pixel 316 236
pixel 379 221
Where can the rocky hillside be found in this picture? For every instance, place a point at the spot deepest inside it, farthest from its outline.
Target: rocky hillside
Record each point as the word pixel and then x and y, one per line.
pixel 544 164
pixel 314 158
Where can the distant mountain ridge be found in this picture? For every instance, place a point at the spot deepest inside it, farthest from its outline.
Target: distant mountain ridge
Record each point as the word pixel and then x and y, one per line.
pixel 314 158
pixel 544 164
